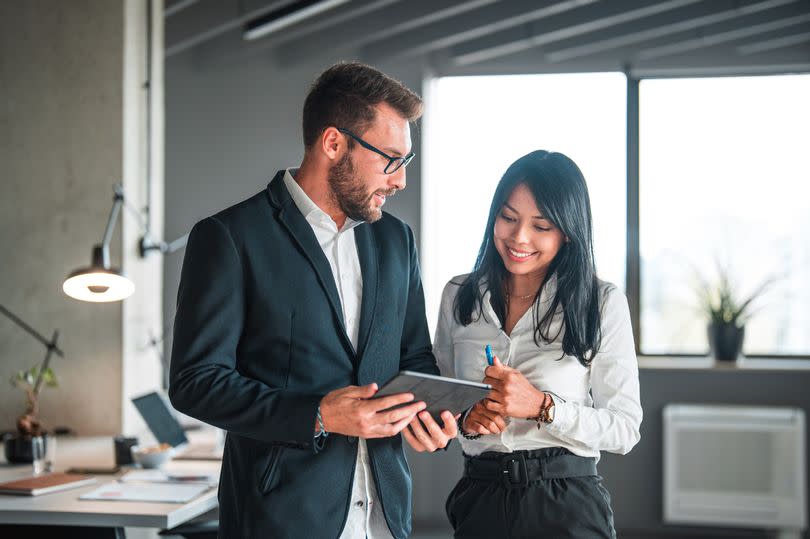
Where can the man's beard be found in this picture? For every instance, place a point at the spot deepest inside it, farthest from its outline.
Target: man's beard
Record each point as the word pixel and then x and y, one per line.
pixel 349 192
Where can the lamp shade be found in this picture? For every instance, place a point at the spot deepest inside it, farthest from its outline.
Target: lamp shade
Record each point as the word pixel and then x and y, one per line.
pixel 98 283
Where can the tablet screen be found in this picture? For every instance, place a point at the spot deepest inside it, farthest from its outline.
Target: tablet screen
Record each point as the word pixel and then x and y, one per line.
pixel 438 392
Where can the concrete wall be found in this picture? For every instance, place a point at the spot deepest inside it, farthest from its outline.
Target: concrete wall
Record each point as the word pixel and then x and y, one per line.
pixel 64 138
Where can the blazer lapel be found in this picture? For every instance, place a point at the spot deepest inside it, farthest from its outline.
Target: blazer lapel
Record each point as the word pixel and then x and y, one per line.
pixel 303 235
pixel 367 253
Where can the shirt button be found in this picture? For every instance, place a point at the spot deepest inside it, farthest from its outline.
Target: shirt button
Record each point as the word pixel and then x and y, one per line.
pixel 358 503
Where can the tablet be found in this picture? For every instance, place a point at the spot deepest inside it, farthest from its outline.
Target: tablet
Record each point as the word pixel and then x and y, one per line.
pixel 438 392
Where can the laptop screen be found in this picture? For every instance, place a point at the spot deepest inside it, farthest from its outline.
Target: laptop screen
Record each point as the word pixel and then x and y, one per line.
pixel 158 416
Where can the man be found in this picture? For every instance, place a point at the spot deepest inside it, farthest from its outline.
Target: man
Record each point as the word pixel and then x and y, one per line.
pixel 293 305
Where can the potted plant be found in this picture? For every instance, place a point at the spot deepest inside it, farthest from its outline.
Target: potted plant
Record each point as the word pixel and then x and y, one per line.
pixel 31 382
pixel 727 312
pixel 19 446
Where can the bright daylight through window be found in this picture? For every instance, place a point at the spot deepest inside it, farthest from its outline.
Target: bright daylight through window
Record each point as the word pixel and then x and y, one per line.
pixel 476 126
pixel 724 172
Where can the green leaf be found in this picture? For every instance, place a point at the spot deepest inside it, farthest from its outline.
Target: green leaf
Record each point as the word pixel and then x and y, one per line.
pixel 49 377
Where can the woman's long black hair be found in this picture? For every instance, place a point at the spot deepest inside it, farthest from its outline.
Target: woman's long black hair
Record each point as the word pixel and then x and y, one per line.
pixel 560 192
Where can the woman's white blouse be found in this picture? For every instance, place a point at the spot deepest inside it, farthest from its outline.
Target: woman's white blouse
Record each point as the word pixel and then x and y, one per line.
pixel 595 409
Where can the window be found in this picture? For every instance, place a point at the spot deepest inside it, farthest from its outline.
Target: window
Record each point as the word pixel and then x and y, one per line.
pixel 475 127
pixel 723 165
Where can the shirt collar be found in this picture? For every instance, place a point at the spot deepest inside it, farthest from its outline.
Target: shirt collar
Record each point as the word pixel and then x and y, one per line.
pixel 546 296
pixel 306 206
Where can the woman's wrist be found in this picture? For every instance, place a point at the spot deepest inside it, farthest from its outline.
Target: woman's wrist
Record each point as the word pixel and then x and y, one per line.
pixel 539 404
pixel 463 419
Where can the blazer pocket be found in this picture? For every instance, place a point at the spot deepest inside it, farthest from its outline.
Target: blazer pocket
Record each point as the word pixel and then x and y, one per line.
pixel 268 480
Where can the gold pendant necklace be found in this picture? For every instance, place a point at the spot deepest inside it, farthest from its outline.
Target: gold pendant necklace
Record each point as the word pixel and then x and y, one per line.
pixel 527 296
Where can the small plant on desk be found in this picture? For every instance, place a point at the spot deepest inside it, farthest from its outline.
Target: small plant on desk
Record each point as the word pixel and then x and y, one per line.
pixel 31 382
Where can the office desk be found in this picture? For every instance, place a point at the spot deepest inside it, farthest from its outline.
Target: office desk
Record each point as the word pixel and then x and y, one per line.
pixel 65 509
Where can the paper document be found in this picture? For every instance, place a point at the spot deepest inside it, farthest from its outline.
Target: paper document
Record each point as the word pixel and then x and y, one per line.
pixel 146 492
pixel 206 477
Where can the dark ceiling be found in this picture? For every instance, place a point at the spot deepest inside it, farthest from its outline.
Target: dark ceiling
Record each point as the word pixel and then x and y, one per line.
pixel 666 37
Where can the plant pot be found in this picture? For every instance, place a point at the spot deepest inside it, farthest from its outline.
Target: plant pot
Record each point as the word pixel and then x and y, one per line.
pixel 725 341
pixel 18 448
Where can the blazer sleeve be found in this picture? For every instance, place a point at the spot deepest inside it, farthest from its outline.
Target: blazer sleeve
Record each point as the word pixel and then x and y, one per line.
pixel 415 350
pixel 205 382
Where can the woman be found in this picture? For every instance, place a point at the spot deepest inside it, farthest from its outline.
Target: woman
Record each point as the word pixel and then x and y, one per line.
pixel 565 377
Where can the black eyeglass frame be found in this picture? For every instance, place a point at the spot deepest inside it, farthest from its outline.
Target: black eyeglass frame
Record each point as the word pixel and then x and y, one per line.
pixel 399 162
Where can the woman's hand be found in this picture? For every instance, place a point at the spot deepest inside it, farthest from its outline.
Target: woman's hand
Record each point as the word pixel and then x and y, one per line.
pixel 512 394
pixel 480 420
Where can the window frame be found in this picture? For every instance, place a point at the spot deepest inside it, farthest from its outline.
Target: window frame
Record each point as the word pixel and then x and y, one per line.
pixel 633 266
pixel 633 254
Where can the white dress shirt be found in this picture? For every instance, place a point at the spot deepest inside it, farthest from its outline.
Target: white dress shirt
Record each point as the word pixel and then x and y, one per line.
pixel 595 409
pixel 365 519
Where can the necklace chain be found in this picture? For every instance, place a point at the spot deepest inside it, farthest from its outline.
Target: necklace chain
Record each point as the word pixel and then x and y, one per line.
pixel 527 296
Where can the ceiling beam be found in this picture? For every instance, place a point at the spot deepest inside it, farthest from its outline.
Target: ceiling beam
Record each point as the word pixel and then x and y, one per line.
pixel 176 7
pixel 211 18
pixel 470 25
pixel 729 31
pixel 397 19
pixel 720 60
pixel 238 50
pixel 798 37
pixel 563 26
pixel 657 26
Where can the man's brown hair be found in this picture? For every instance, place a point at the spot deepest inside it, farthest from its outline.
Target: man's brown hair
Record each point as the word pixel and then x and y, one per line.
pixel 345 95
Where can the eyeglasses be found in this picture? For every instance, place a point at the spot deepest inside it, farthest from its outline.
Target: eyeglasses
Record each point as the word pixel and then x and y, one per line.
pixel 394 163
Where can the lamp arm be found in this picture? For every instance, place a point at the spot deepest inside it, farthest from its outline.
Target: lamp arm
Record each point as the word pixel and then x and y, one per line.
pixel 148 244
pixel 179 243
pixel 51 345
pixel 46 362
pixel 118 201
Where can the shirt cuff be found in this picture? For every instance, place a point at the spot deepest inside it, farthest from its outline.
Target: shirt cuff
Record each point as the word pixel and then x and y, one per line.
pixel 563 415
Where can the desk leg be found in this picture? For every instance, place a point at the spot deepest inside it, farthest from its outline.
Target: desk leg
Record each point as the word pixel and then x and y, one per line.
pixel 60 532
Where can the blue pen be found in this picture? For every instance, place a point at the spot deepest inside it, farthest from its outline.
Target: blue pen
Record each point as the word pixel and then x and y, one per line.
pixel 490 358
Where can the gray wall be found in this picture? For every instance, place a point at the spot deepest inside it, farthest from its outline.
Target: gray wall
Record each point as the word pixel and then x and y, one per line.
pixel 61 130
pixel 232 123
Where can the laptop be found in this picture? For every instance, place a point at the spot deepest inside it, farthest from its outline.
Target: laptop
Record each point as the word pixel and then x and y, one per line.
pixel 159 417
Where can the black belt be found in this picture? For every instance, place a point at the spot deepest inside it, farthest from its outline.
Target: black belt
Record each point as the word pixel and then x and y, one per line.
pixel 518 470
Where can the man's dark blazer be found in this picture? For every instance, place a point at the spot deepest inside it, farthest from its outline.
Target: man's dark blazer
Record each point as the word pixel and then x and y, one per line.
pixel 259 339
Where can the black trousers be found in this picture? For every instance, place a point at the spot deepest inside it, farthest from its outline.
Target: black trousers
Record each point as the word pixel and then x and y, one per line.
pixel 545 493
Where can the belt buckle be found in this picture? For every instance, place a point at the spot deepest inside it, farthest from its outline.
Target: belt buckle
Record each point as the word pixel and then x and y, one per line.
pixel 514 471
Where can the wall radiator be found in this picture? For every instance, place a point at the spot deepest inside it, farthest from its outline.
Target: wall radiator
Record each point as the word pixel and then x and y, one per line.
pixel 735 466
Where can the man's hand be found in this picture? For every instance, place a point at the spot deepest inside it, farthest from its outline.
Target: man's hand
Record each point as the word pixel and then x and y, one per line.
pixel 481 420
pixel 512 394
pixel 351 411
pixel 434 437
